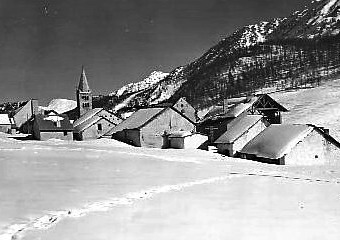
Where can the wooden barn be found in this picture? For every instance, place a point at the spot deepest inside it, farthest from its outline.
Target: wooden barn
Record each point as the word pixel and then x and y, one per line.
pixel 52 126
pixel 292 144
pixel 216 121
pixel 149 127
pixel 5 123
pixel 239 133
pixel 94 124
pixel 187 140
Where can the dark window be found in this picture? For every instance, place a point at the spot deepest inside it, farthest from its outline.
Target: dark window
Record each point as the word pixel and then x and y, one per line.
pixel 100 127
pixel 86 104
pixel 65 133
pixel 85 97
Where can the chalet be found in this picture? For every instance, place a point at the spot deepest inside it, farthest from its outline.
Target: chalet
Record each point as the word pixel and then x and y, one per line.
pixel 50 126
pixel 187 140
pixel 94 124
pixel 5 123
pixel 292 144
pixel 239 133
pixel 149 127
pixel 216 121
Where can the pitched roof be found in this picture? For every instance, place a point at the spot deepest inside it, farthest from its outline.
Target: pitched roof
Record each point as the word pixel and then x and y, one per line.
pixel 81 127
pixel 88 115
pixel 4 119
pixel 277 140
pixel 237 106
pixel 235 109
pixel 264 101
pixel 137 119
pixel 83 84
pixel 48 123
pixel 238 127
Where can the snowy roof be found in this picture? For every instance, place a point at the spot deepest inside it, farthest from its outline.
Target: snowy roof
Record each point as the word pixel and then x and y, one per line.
pixel 277 140
pixel 238 127
pixel 89 114
pixel 47 123
pixel 137 119
pixel 180 134
pixel 4 119
pixel 237 106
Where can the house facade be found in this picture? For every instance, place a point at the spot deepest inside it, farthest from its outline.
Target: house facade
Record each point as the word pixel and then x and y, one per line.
pixel 292 144
pixel 186 109
pixel 149 127
pixel 239 133
pixel 94 124
pixel 52 126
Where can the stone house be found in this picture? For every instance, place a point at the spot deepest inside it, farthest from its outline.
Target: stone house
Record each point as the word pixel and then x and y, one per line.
pixel 239 133
pixel 149 127
pixel 292 144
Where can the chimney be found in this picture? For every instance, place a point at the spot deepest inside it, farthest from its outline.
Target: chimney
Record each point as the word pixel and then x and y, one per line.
pixel 225 105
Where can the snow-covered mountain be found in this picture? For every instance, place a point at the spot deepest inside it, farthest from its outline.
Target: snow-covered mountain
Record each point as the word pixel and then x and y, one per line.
pixel 321 18
pixel 60 105
pixel 131 88
pixel 253 57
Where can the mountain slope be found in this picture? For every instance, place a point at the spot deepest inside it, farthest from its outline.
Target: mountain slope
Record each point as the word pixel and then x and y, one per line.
pixel 299 50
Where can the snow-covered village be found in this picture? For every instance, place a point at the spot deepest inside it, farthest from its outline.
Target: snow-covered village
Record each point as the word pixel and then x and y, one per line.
pixel 243 142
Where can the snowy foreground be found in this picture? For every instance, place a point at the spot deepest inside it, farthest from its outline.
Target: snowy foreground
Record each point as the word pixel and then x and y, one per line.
pixel 107 190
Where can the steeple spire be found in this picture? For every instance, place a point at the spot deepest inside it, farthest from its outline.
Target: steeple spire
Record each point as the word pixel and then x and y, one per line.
pixel 83 84
pixel 84 94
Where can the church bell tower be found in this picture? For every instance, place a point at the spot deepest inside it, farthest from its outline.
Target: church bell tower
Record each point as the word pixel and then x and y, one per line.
pixel 84 95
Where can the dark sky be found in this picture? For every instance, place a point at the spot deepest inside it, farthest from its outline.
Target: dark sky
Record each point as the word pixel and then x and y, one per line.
pixel 44 42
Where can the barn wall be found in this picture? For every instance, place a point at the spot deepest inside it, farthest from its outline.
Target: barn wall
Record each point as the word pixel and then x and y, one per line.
pixel 5 128
pixel 184 107
pixel 133 137
pixel 224 148
pixel 177 143
pixel 56 135
pixel 246 137
pixel 221 127
pixel 168 121
pixel 26 112
pixel 306 151
pixel 36 131
pixel 93 133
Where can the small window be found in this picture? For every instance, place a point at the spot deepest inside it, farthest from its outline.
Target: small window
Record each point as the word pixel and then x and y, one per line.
pixel 100 128
pixel 58 123
pixel 65 133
